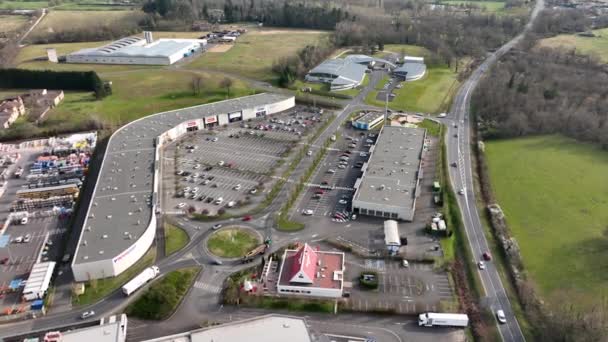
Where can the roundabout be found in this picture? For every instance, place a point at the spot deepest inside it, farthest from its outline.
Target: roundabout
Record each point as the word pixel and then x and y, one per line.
pixel 232 242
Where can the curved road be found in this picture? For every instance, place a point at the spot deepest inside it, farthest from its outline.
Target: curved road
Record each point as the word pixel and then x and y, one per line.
pixel 459 151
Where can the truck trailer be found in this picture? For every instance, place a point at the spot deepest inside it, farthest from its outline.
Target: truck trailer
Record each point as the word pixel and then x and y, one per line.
pixel 140 280
pixel 431 319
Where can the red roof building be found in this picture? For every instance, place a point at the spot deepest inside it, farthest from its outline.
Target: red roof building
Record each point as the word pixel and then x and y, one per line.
pixel 313 273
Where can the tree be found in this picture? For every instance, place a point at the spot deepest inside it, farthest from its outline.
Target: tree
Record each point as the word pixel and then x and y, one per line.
pixel 196 84
pixel 226 83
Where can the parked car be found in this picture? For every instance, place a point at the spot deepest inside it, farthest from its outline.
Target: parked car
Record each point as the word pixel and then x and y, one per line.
pixel 331 171
pixel 247 218
pixel 253 191
pixel 27 238
pixel 308 212
pixel 181 205
pixel 216 226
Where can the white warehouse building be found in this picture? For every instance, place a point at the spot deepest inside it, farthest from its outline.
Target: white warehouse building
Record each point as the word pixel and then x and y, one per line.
pixel 121 217
pixel 136 50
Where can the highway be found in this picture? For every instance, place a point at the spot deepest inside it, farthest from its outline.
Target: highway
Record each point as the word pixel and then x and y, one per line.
pixel 459 152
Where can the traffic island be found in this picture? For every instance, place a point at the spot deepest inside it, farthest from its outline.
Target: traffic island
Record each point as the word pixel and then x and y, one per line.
pixel 233 242
pixel 162 298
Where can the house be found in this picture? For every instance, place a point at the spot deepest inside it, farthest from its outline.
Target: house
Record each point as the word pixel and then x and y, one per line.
pixel 310 272
pixel 10 110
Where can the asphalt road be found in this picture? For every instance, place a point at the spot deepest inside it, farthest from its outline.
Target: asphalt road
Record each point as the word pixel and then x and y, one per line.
pixel 459 151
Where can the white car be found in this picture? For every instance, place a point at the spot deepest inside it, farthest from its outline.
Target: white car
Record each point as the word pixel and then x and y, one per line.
pixel 197 166
pixel 214 139
pixel 442 115
pixel 221 163
pixel 27 238
pixel 461 191
pixel 237 187
pixel 500 315
pixel 216 226
pixel 405 263
pixel 18 239
pixel 342 201
pixel 331 171
pixel 341 166
pixel 481 265
pixel 24 220
pixel 206 181
pixel 362 154
pixel 87 314
pixel 308 212
pixel 309 153
pixel 253 191
pixel 181 205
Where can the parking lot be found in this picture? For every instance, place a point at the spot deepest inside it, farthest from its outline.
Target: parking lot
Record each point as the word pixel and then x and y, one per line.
pixel 331 189
pixel 412 289
pixel 387 88
pixel 232 167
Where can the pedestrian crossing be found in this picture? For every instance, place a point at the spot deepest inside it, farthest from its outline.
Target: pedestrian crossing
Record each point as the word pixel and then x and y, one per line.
pixel 206 287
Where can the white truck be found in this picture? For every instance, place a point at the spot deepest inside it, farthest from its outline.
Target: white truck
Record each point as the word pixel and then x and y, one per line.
pixel 140 280
pixel 431 319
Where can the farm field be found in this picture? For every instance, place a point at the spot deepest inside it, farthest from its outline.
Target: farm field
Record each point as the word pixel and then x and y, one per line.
pixel 431 94
pixel 26 5
pixel 490 6
pixel 253 54
pixel 554 193
pixel 70 21
pixel 10 23
pixel 587 45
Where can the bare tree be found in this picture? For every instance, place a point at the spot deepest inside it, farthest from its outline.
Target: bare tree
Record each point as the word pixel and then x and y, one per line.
pixel 226 83
pixel 196 84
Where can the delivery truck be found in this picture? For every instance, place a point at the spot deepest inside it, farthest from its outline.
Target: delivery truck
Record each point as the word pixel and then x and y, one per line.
pixel 140 280
pixel 431 319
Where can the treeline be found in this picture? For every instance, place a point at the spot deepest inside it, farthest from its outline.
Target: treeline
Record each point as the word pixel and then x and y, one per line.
pixel 544 91
pixel 281 13
pixel 98 33
pixel 292 67
pixel 444 33
pixel 46 79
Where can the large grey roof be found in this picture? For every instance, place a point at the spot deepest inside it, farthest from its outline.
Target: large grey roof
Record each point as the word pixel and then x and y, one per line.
pixel 341 68
pixel 413 70
pixel 134 46
pixel 122 200
pixel 392 170
pixel 365 59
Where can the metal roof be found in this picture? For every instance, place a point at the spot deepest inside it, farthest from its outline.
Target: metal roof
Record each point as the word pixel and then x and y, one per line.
pixel 390 175
pixel 40 278
pixel 137 47
pixel 121 205
pixel 370 117
pixel 112 330
pixel 391 233
pixel 270 328
pixel 342 69
pixel 411 70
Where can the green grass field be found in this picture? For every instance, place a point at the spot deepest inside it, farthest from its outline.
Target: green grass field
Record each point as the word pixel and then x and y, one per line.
pixel 175 239
pixel 490 6
pixel 554 192
pixel 57 21
pixel 10 23
pixel 232 242
pixel 253 54
pixel 431 94
pixel 588 45
pixel 26 5
pixel 408 50
pixel 163 297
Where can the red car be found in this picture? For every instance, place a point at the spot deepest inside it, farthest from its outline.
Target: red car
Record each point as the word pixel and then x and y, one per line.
pixel 3 261
pixel 247 218
pixel 487 256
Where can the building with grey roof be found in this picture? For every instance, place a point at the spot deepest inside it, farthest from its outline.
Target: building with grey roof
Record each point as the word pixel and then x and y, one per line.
pixel 339 73
pixel 135 50
pixel 269 328
pixel 121 218
pixel 368 120
pixel 368 60
pixel 389 185
pixel 413 68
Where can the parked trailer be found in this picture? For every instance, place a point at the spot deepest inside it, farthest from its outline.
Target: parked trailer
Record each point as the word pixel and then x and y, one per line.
pixel 431 319
pixel 140 280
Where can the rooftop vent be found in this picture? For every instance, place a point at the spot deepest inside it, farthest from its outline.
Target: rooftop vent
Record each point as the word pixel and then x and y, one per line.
pixel 86 257
pixel 104 236
pixel 100 252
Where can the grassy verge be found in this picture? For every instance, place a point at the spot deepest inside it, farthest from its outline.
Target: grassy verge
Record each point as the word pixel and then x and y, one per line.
pixel 289 304
pixel 431 94
pixel 232 242
pixel 283 224
pixel 97 289
pixel 175 239
pixel 163 297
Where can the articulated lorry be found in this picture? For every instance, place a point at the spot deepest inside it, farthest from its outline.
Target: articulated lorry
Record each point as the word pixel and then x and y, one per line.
pixel 431 319
pixel 140 280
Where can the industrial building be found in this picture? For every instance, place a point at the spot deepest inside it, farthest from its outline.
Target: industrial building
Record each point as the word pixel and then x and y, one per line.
pixel 135 50
pixel 390 181
pixel 121 217
pixel 413 68
pixel 340 74
pixel 368 120
pixel 269 328
pixel 311 273
pixel 107 329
